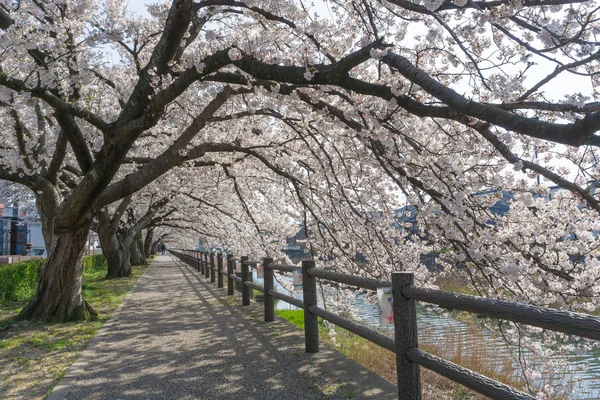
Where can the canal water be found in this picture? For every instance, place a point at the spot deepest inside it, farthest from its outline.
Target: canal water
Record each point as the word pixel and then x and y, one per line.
pixel 459 335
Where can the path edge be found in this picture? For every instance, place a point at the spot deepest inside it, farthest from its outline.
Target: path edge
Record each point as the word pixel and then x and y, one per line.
pixel 62 388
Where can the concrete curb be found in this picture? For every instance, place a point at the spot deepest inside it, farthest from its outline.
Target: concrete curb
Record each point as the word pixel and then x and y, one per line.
pixel 63 387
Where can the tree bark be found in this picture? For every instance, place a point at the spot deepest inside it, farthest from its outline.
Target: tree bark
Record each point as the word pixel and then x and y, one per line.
pixel 111 247
pixel 134 251
pixel 116 249
pixel 148 243
pixel 140 245
pixel 58 297
pixel 125 241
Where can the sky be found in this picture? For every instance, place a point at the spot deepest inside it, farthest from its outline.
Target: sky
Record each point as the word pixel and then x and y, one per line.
pixel 139 6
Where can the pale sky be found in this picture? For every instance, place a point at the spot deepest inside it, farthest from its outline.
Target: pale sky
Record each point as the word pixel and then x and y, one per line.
pixel 138 6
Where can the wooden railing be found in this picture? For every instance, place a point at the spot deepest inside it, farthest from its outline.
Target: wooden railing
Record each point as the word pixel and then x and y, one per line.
pixel 404 344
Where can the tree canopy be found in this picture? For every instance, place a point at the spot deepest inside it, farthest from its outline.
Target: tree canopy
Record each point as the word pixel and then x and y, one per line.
pixel 274 115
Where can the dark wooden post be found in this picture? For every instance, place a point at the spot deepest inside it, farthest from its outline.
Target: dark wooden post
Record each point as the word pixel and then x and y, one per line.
pixel 212 268
pixel 206 266
pixel 405 331
pixel 229 273
pixel 269 300
pixel 201 263
pixel 250 279
pixel 245 289
pixel 219 270
pixel 197 261
pixel 311 323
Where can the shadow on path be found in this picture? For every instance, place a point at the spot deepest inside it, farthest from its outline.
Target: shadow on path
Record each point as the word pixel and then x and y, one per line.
pixel 178 338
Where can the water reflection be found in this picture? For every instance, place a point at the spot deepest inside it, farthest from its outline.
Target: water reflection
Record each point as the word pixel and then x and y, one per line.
pixel 572 376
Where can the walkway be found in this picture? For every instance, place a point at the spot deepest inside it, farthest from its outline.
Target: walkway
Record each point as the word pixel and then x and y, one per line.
pixel 178 337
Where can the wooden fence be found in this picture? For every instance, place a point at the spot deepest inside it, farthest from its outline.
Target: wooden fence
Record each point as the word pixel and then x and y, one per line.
pixel 404 344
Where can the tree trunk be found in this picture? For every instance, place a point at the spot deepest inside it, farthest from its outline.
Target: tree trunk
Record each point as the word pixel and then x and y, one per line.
pixel 148 243
pixel 125 241
pixel 126 264
pixel 134 251
pixel 58 297
pixel 114 257
pixel 140 246
pixel 111 247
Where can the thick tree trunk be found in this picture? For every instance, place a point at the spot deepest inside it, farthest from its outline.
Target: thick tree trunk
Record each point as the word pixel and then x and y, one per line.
pixel 134 251
pixel 140 246
pixel 116 252
pixel 114 257
pixel 148 243
pixel 125 242
pixel 111 247
pixel 126 263
pixel 58 297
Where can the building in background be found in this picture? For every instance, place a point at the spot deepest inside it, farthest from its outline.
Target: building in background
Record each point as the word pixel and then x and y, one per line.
pixel 19 236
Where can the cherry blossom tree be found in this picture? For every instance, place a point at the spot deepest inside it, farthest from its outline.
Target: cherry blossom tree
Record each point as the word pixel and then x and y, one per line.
pixel 276 108
pixel 120 230
pixel 68 153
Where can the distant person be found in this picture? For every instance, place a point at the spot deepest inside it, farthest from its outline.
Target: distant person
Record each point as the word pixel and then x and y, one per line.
pixel 162 248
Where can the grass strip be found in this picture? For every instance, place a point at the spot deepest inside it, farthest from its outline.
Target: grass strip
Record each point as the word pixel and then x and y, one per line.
pixel 34 356
pixel 380 360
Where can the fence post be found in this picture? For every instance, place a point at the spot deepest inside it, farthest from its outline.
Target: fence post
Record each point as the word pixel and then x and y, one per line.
pixel 250 279
pixel 201 263
pixel 245 289
pixel 229 273
pixel 212 267
pixel 405 332
pixel 206 266
pixel 311 323
pixel 268 285
pixel 219 270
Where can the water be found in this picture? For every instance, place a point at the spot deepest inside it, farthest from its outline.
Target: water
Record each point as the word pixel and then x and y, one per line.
pixel 578 375
pixel 575 377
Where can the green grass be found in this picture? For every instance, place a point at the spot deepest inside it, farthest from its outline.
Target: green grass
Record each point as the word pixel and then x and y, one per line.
pixel 296 317
pixel 34 356
pixel 258 295
pixel 375 358
pixel 18 281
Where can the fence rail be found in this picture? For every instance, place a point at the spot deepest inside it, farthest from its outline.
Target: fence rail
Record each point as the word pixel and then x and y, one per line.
pixel 405 343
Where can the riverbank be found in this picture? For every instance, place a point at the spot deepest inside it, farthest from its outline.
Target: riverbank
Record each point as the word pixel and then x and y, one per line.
pixel 35 356
pixel 382 361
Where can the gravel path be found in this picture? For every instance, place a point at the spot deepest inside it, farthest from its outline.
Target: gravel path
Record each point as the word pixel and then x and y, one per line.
pixel 178 337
